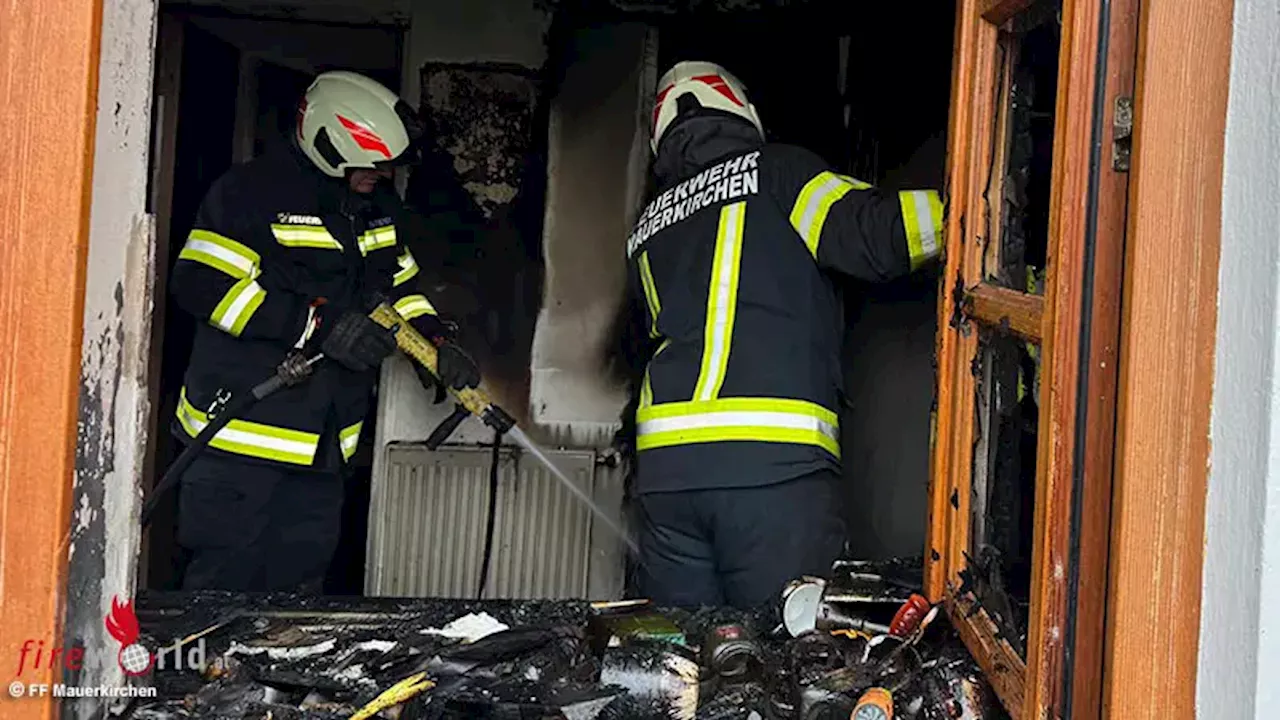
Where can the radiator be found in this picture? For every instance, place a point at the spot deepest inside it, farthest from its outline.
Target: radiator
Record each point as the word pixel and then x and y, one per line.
pixel 428 514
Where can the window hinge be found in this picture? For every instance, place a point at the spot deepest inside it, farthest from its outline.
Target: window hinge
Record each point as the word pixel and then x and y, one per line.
pixel 1122 141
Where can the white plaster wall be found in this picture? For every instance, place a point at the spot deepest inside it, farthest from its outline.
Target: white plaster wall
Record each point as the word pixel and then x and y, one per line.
pixel 1240 615
pixel 104 533
pixel 476 31
pixel 597 161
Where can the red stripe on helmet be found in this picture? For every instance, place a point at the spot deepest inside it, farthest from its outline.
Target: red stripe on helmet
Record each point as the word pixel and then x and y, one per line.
pixel 717 83
pixel 302 111
pixel 657 103
pixel 364 137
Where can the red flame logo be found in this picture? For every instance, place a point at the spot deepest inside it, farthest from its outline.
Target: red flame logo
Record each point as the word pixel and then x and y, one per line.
pixel 122 623
pixel 302 111
pixel 657 103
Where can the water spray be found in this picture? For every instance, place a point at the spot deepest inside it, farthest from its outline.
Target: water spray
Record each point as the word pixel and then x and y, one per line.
pixel 475 402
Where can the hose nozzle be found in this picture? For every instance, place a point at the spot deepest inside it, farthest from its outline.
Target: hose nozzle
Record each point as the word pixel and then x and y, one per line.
pixel 498 419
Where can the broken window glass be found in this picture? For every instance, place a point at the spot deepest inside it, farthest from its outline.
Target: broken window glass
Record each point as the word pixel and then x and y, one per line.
pixel 1022 163
pixel 1004 481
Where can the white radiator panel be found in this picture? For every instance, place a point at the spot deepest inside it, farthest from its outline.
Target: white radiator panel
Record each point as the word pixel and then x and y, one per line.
pixel 428 516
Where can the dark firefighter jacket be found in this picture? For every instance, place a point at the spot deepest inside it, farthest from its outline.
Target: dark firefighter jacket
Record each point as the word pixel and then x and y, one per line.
pixel 731 262
pixel 270 237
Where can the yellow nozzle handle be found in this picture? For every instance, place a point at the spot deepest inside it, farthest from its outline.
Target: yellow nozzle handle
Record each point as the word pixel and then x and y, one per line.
pixel 412 343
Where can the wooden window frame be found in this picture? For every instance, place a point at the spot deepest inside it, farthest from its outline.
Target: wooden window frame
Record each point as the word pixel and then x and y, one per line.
pixel 1077 324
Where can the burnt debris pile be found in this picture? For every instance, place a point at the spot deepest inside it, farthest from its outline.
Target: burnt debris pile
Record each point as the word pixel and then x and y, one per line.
pixel 860 643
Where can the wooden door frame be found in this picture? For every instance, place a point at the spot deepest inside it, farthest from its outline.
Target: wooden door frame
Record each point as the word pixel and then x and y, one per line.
pixel 1166 363
pixel 50 104
pixel 1128 480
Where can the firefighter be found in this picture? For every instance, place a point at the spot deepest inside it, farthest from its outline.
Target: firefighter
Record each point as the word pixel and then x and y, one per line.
pixel 736 430
pixel 287 254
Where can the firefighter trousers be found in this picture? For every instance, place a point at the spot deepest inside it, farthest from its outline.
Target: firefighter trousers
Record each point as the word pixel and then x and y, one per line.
pixel 252 527
pixel 738 546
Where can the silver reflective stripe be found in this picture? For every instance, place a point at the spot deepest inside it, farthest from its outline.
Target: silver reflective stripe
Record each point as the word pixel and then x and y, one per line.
pixel 376 238
pixel 238 306
pixel 924 213
pixel 814 204
pixel 245 438
pixel 408 268
pixel 246 266
pixel 280 445
pixel 412 306
pixel 724 299
pixel 349 440
pixel 738 418
pixel 305 236
pixel 307 329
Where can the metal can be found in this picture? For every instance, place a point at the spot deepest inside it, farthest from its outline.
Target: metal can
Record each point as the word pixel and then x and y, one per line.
pixel 875 704
pixel 732 653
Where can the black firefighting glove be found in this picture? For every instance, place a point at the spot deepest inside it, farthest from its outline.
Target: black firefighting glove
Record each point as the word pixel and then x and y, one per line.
pixel 457 370
pixel 455 366
pixel 352 339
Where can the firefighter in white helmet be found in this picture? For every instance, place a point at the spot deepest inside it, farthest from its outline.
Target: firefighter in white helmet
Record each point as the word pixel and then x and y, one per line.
pixel 287 253
pixel 734 420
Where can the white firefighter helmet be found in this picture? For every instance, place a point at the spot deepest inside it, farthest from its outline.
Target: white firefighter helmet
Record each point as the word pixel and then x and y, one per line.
pixel 347 120
pixel 711 86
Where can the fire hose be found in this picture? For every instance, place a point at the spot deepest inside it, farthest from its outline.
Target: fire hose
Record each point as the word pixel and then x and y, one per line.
pixel 296 368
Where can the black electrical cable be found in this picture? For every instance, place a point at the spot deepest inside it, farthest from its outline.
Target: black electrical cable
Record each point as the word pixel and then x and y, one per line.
pixel 491 521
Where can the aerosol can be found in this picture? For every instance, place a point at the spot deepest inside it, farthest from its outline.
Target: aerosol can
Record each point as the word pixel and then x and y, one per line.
pixel 875 704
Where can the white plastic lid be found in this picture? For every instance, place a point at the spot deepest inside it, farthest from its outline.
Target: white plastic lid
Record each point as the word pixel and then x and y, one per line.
pixel 800 605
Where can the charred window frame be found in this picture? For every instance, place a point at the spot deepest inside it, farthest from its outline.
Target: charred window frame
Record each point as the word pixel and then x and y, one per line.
pixel 1025 254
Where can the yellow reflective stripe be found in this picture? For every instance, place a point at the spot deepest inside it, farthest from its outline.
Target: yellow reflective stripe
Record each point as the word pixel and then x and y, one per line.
pixel 238 306
pixel 408 268
pixel 817 196
pixel 646 388
pixel 249 438
pixel 650 293
pixel 922 221
pixel 412 306
pixel 738 419
pixel 349 439
pixel 722 301
pixel 305 236
pixel 221 253
pixel 376 238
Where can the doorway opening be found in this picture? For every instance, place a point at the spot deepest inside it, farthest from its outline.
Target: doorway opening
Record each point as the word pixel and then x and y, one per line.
pixel 869 92
pixel 829 81
pixel 227 88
